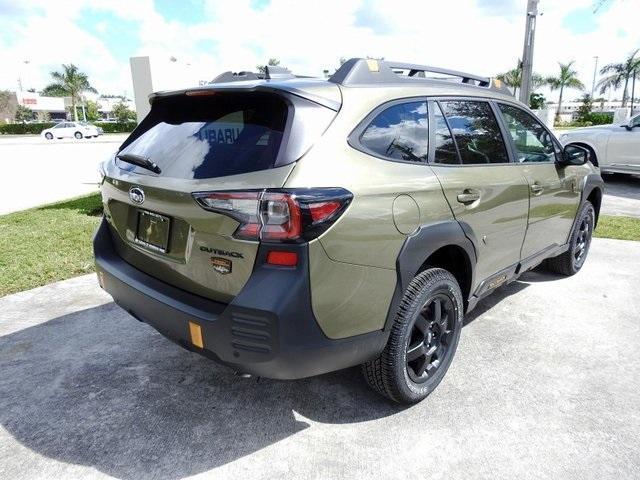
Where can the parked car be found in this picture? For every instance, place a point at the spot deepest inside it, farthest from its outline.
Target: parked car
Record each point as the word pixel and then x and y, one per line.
pixel 615 148
pixel 70 130
pixel 289 227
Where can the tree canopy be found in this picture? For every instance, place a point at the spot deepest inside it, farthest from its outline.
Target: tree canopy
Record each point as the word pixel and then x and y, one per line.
pixel 618 74
pixel 69 82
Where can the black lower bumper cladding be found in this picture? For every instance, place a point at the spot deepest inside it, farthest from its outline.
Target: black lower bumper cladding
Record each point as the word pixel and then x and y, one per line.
pixel 268 330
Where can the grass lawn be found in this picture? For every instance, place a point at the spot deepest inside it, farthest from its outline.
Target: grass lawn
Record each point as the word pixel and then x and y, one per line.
pixel 46 244
pixel 622 228
pixel 51 243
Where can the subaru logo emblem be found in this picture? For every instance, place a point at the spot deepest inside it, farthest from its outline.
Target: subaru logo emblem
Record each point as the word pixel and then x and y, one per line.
pixel 136 195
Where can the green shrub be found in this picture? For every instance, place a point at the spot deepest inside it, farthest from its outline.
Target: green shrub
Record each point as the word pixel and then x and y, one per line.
pixel 119 127
pixel 20 128
pixel 589 120
pixel 597 118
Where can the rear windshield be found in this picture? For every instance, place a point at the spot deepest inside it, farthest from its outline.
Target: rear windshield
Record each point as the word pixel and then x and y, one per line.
pixel 210 136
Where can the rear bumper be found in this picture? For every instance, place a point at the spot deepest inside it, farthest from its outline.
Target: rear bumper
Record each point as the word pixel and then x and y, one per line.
pixel 268 330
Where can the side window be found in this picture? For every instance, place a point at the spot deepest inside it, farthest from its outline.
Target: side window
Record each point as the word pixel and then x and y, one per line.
pixel 532 141
pixel 445 148
pixel 476 131
pixel 635 122
pixel 400 132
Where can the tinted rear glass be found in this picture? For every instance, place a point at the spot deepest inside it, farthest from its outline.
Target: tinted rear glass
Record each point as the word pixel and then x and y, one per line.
pixel 399 132
pixel 210 136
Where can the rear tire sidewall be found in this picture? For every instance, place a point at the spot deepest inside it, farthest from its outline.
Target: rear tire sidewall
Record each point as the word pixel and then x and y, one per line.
pixel 78 135
pixel 409 390
pixel 587 212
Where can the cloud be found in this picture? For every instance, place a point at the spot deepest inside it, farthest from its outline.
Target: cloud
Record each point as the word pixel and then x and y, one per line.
pixel 482 36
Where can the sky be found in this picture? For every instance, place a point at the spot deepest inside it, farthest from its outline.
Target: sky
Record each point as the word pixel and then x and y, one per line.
pixel 191 40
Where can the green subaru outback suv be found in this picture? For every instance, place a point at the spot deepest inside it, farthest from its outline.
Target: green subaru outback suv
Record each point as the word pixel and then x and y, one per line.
pixel 288 227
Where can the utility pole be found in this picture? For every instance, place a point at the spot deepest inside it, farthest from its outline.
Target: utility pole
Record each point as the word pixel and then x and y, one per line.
pixel 595 70
pixel 527 53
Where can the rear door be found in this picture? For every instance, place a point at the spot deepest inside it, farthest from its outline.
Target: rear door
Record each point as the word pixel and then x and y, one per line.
pixel 67 130
pixel 215 141
pixel 555 193
pixel 488 196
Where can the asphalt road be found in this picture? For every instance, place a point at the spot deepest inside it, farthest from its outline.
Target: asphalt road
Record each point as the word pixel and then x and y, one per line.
pixel 622 195
pixel 546 384
pixel 36 171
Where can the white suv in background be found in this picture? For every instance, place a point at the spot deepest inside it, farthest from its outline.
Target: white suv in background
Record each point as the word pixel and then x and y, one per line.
pixel 616 147
pixel 70 130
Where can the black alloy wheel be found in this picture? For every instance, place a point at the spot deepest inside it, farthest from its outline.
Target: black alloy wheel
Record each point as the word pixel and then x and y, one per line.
pixel 430 338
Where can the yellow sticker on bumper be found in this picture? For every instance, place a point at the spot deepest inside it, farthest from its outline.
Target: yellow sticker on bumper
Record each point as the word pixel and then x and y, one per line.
pixel 195 332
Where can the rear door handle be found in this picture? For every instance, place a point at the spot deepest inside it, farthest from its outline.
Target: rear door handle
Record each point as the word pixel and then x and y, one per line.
pixel 468 196
pixel 536 188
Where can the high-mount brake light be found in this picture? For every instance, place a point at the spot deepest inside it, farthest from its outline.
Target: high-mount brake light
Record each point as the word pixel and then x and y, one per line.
pixel 291 215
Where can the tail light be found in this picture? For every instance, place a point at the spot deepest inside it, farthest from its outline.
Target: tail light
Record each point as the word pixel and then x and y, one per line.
pixel 291 215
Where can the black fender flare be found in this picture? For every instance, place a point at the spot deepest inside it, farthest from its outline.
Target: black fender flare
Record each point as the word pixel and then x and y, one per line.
pixel 418 247
pixel 591 182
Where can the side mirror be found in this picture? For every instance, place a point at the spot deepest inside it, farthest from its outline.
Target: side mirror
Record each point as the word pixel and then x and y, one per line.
pixel 628 127
pixel 574 155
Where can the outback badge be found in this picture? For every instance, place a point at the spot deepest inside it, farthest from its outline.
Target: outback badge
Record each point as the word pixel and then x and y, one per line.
pixel 221 265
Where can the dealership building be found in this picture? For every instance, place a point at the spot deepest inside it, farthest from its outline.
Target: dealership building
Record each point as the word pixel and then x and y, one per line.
pixel 56 107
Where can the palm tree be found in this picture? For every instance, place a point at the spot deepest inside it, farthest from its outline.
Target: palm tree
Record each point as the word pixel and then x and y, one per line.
pixel 71 82
pixel 513 79
pixel 568 78
pixel 619 73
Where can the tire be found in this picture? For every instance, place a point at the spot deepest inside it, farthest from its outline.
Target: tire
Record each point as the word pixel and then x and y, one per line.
pixel 78 135
pixel 570 262
pixel 48 136
pixel 421 332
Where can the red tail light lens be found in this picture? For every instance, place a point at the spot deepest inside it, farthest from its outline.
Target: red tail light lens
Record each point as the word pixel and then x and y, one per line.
pixel 323 210
pixel 279 215
pixel 283 259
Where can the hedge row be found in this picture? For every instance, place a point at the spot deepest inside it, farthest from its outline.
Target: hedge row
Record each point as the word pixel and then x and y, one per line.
pixel 36 128
pixel 120 127
pixel 18 128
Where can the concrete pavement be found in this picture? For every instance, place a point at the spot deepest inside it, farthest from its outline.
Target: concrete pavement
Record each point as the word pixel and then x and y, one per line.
pixel 545 384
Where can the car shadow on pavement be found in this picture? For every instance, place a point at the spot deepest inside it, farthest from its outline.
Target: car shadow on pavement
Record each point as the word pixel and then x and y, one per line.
pixel 97 388
pixel 625 186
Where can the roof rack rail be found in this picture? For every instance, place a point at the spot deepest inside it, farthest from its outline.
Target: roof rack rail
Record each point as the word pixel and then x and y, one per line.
pixel 271 72
pixel 360 71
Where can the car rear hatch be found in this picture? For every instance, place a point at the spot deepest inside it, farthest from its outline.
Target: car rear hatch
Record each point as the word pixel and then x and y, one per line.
pixel 204 140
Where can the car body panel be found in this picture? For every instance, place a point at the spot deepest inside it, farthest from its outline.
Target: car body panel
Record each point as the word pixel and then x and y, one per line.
pixel 498 219
pixel 348 299
pixel 553 206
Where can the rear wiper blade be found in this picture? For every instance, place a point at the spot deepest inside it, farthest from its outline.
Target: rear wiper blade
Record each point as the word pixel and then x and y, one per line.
pixel 139 160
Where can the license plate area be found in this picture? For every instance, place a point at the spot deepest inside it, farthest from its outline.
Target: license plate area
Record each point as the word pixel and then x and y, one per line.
pixel 152 231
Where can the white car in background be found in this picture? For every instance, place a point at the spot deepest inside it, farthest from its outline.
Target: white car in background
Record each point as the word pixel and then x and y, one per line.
pixel 70 130
pixel 616 147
